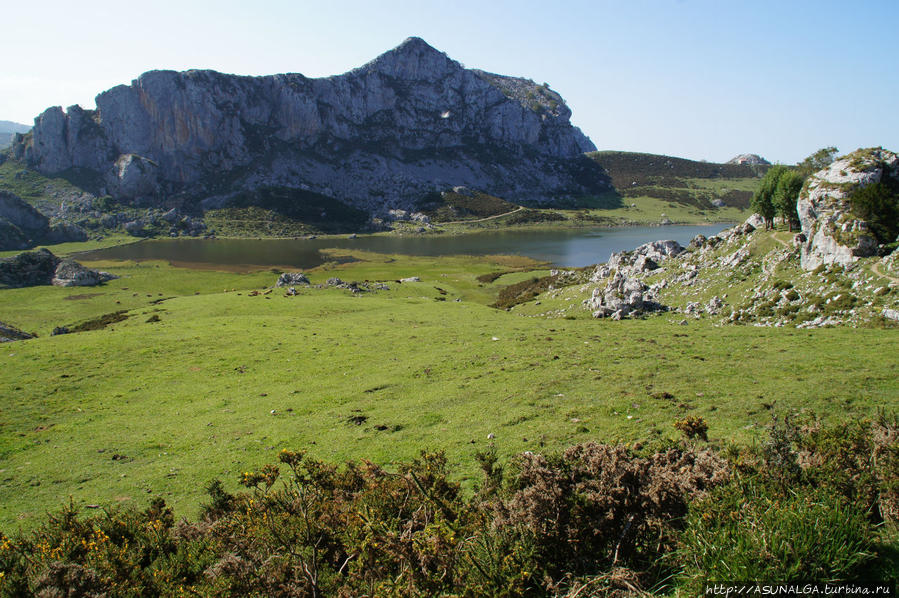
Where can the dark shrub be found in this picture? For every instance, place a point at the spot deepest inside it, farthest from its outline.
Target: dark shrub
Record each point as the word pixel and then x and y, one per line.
pixel 878 205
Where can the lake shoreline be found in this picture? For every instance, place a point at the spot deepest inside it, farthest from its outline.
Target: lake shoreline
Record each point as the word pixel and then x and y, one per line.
pixel 566 248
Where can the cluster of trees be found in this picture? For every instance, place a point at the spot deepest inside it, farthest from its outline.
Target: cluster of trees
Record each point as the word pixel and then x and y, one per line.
pixel 779 190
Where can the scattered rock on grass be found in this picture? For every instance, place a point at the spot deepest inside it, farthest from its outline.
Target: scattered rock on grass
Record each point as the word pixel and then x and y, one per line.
pixel 9 333
pixel 289 279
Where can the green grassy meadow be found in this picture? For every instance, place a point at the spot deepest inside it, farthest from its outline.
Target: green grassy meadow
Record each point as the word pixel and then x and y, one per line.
pixel 204 380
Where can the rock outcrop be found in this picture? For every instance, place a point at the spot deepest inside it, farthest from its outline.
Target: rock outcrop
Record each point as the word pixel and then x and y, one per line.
pixel 623 294
pixel 9 333
pixel 22 226
pixel 644 258
pixel 290 279
pixel 8 132
pixel 70 273
pixel 41 267
pixel 409 123
pixel 833 234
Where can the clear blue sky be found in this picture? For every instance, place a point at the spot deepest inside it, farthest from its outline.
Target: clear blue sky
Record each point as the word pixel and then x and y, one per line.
pixel 702 79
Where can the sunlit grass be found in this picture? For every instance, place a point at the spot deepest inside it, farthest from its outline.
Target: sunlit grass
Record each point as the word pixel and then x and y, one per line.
pixel 224 379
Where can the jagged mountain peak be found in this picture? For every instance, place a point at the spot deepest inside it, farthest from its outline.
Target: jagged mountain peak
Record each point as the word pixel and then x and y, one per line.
pixel 413 59
pixel 415 44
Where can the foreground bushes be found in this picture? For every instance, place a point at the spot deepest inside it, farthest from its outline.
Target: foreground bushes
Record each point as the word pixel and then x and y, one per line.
pixel 809 504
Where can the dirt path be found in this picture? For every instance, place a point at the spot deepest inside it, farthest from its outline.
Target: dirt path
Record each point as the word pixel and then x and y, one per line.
pixel 518 209
pixel 774 259
pixel 781 241
pixel 876 270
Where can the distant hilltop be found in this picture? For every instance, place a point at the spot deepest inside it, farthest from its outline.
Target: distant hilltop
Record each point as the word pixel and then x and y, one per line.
pixel 750 159
pixel 409 123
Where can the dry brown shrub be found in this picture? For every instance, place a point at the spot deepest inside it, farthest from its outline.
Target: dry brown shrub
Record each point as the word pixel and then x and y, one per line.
pixel 598 506
pixel 61 580
pixel 620 582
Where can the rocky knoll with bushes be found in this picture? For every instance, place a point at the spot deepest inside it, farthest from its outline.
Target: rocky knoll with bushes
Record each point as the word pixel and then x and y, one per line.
pixel 753 159
pixel 839 224
pixel 409 123
pixel 843 268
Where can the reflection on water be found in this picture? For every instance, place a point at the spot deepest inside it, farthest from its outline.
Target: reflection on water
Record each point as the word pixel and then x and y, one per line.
pixel 569 248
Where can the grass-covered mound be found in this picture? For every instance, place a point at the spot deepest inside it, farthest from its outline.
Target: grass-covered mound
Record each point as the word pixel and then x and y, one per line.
pixel 810 504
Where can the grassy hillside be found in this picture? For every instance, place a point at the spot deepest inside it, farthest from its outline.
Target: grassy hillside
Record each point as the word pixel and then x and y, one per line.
pixel 44 193
pixel 452 206
pixel 680 181
pixel 204 379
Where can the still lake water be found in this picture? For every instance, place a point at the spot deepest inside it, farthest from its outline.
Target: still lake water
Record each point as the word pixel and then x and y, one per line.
pixel 567 248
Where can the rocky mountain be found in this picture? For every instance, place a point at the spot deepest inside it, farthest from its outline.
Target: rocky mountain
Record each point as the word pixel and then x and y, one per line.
pixel 383 136
pixel 750 159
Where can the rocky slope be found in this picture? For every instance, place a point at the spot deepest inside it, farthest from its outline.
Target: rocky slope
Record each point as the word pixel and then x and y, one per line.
pixel 22 226
pixel 411 122
pixel 745 275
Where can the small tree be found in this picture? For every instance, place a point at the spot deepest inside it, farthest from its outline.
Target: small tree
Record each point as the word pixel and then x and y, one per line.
pixel 786 194
pixel 763 199
pixel 819 160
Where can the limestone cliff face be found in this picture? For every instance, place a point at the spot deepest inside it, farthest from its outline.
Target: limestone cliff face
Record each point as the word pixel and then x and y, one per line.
pixel 410 122
pixel 834 235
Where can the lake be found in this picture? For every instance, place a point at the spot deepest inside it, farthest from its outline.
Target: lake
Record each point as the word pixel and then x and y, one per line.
pixel 566 248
